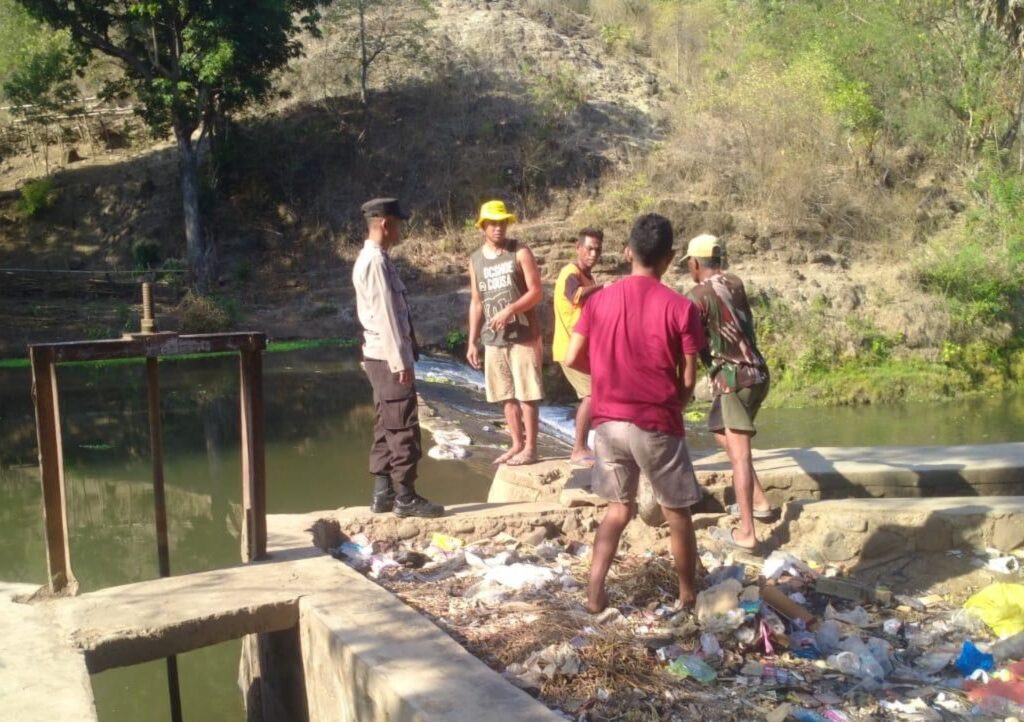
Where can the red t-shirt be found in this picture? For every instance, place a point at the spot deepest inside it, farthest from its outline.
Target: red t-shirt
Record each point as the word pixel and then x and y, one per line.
pixel 637 331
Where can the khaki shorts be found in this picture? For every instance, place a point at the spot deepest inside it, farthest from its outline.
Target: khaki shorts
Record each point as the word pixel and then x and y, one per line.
pixel 579 380
pixel 736 411
pixel 513 372
pixel 623 450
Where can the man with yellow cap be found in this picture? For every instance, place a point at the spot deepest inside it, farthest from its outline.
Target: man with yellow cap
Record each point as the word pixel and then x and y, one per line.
pixel 739 379
pixel 505 290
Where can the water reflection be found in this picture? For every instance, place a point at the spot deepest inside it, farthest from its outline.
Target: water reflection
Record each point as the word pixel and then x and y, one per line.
pixel 318 427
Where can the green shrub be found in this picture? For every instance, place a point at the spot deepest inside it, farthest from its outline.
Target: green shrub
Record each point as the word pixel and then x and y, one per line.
pixel 146 254
pixel 204 314
pixel 979 266
pixel 36 197
pixel 455 339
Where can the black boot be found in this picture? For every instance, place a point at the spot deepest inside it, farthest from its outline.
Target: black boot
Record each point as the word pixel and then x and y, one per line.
pixel 383 495
pixel 416 505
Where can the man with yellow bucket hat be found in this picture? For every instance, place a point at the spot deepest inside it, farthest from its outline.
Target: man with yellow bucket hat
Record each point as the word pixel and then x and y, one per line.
pixel 505 290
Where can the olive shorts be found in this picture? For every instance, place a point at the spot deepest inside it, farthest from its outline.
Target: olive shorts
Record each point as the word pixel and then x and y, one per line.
pixel 736 411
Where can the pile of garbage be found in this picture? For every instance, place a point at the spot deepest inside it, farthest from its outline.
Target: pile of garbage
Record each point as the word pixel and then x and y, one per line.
pixel 776 639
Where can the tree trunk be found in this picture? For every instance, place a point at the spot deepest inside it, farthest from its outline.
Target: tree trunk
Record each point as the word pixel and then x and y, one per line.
pixel 195 241
pixel 364 63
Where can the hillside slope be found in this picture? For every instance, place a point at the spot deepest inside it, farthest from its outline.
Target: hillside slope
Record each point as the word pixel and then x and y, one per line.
pixel 532 103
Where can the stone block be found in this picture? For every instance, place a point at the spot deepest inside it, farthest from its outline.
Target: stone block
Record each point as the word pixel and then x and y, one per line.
pixel 1007 533
pixel 934 535
pixel 839 547
pixel 882 543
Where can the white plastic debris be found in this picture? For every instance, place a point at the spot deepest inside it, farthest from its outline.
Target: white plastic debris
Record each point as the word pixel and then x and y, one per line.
pixel 448 452
pixel 778 563
pixel 451 437
pixel 858 616
pixel 1004 565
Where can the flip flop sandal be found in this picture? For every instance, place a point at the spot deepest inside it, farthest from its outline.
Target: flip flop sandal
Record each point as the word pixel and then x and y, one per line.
pixel 585 463
pixel 724 537
pixel 734 510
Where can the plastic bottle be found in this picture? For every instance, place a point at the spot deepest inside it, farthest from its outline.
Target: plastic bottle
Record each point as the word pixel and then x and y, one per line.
pixel 869 667
pixel 1009 648
pixel 690 666
pixel 827 636
pixel 881 651
pixel 845 662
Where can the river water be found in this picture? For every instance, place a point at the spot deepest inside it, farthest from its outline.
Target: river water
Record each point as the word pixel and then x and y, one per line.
pixel 318 427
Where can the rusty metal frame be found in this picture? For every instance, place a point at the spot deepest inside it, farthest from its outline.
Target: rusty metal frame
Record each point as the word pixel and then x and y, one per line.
pixel 44 359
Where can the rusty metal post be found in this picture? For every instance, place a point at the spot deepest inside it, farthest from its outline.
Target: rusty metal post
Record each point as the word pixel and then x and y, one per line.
pixel 51 471
pixel 254 481
pixel 156 449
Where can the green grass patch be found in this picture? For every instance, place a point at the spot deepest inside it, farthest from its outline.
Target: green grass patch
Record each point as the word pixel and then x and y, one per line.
pixel 891 381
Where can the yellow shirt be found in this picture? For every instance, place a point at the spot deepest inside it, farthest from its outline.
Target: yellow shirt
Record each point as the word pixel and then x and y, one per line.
pixel 568 306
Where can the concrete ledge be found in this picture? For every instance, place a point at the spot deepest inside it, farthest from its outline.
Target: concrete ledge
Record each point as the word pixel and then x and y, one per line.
pixel 819 473
pixel 893 471
pixel 370 657
pixel 42 678
pixel 860 529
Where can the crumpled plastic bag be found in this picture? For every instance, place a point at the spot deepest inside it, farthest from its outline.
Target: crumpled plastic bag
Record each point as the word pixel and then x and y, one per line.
pixel 548 663
pixel 1000 606
pixel 499 582
pixel 778 563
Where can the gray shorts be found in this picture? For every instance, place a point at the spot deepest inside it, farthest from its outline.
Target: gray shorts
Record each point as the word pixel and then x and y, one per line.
pixel 623 451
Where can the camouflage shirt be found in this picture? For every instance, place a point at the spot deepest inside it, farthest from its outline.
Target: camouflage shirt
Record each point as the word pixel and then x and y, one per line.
pixel 731 354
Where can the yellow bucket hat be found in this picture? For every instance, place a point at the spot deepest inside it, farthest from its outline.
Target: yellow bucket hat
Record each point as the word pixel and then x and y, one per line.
pixel 494 211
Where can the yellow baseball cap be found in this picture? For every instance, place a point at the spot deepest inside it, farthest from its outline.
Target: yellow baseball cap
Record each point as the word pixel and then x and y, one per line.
pixel 704 246
pixel 494 211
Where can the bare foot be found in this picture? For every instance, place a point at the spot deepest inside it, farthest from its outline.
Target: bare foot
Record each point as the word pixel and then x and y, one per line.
pixel 507 455
pixel 687 597
pixel 597 601
pixel 524 457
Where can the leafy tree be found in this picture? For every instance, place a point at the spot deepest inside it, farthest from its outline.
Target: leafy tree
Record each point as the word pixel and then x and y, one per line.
pixel 37 68
pixel 189 63
pixel 1007 18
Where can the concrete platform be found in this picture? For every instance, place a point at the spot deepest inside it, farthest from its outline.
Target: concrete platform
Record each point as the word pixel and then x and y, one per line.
pixel 322 643
pixel 42 677
pixel 818 473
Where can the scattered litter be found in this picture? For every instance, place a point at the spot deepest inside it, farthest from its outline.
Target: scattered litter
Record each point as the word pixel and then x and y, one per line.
pixel 857 616
pixel 796 639
pixel 1000 606
pixel 448 452
pixel 971 659
pixel 445 543
pixel 688 665
pixel 1004 565
pixel 451 437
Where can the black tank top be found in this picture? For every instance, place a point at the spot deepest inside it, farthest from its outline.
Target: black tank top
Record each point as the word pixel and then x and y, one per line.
pixel 500 281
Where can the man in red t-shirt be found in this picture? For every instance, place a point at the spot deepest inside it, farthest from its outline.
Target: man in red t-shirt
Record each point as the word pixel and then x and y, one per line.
pixel 639 341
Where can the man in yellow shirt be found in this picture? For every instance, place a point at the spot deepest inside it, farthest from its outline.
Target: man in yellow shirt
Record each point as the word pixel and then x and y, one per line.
pixel 574 286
